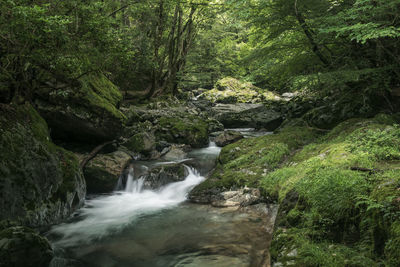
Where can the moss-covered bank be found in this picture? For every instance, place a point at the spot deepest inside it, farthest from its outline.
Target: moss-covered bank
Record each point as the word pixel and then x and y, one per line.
pixel 340 198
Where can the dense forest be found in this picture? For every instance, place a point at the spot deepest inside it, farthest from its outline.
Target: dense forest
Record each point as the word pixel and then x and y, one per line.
pixel 88 88
pixel 160 46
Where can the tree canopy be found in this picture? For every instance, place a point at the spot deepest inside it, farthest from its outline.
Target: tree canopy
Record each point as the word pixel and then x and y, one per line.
pixel 159 46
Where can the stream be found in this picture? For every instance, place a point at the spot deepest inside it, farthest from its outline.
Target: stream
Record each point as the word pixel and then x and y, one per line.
pixel 134 226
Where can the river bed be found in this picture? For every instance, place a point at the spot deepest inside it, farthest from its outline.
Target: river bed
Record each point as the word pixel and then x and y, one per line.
pixel 151 228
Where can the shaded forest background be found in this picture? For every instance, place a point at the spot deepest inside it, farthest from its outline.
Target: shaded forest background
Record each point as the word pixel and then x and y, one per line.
pixel 156 47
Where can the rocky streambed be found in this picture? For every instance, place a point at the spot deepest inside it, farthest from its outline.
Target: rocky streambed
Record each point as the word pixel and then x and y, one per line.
pixel 148 222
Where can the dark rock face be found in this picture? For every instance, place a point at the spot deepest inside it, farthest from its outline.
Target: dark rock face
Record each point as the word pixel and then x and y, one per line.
pixel 23 247
pixel 40 183
pixel 102 172
pixel 163 175
pixel 86 113
pixel 228 137
pixel 247 116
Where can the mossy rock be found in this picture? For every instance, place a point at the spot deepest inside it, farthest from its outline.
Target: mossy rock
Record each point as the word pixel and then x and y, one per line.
pixel 190 130
pixel 88 112
pixel 23 247
pixel 40 182
pixel 230 90
pixel 143 143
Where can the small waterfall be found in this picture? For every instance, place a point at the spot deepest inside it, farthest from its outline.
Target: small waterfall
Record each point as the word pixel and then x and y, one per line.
pixel 212 144
pixel 129 180
pixel 106 214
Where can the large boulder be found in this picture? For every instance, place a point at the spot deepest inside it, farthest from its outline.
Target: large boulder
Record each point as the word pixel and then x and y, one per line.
pixel 171 121
pixel 228 137
pixel 23 247
pixel 40 183
pixel 102 172
pixel 230 90
pixel 243 115
pixel 88 112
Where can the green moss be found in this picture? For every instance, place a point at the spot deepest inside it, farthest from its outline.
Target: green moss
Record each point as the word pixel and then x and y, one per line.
pixel 189 130
pixel 245 162
pixel 344 211
pixel 231 90
pixel 135 143
pixel 100 92
pixel 35 173
pixel 71 171
pixel 392 246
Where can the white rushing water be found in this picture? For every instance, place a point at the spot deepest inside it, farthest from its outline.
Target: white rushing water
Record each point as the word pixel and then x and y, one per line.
pixel 104 215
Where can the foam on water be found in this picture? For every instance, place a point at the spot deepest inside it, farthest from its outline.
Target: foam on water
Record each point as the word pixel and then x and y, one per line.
pixel 106 214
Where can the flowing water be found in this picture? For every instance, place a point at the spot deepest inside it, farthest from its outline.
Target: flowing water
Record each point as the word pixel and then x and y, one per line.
pixel 137 227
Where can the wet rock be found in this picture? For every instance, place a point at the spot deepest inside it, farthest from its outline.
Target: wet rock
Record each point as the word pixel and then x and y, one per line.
pixel 143 143
pixel 243 115
pixel 40 183
pixel 23 247
pixel 163 175
pixel 228 137
pixel 205 196
pixel 102 172
pixel 176 152
pixel 87 112
pixel 241 197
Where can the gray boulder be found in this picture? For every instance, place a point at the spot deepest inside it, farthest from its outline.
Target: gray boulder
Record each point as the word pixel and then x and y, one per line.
pixel 244 115
pixel 102 172
pixel 163 175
